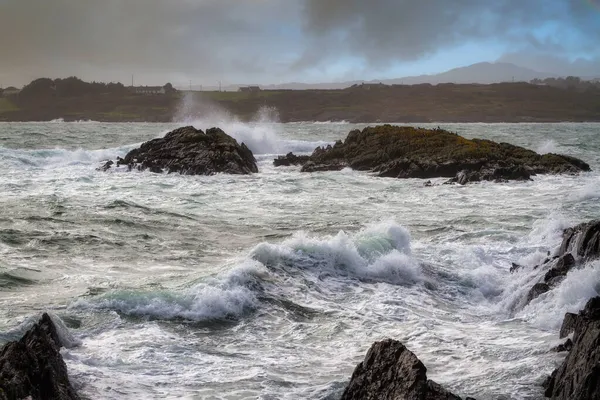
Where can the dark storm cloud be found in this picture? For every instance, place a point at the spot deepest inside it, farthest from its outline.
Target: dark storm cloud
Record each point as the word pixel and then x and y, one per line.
pixel 405 30
pixel 262 40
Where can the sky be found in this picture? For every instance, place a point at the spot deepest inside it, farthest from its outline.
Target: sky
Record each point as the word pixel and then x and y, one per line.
pixel 278 41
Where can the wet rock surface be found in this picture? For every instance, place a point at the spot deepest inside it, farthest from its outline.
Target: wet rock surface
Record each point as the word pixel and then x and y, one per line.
pixel 580 244
pixel 407 152
pixel 290 159
pixel 190 151
pixel 391 371
pixel 578 377
pixel 33 367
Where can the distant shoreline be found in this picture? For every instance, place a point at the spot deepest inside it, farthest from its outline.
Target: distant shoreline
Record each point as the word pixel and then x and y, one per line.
pixel 444 103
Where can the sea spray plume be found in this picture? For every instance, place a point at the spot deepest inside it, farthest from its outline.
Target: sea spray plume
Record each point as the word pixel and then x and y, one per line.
pixel 259 134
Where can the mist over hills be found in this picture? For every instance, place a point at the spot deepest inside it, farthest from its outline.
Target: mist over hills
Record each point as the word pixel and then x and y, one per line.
pixel 482 73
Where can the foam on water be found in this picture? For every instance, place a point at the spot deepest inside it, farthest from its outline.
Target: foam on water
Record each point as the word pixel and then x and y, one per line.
pixel 203 286
pixel 379 252
pixel 574 291
pixel 227 297
pixel 61 157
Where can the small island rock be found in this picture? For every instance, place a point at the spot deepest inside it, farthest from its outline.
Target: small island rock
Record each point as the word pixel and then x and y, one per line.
pixel 190 151
pixel 408 152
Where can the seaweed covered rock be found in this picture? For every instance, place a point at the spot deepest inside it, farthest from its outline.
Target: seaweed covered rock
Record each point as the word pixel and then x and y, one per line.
pixel 190 151
pixel 33 367
pixel 408 152
pixel 391 371
pixel 578 377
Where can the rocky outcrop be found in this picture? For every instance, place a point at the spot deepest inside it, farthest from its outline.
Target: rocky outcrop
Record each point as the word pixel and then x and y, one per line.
pixel 407 152
pixel 580 244
pixel 34 367
pixel 391 371
pixel 582 240
pixel 578 378
pixel 190 151
pixel 290 159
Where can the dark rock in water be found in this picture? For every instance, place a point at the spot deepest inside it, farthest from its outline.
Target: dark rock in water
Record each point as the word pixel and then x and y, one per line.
pixel 34 367
pixel 391 371
pixel 428 184
pixel 537 290
pixel 578 378
pixel 568 325
pixel 582 240
pixel 312 167
pixel 290 159
pixel 566 346
pixel 407 152
pixel 190 151
pixel 580 244
pixel 106 166
pixel 515 267
pixel 562 267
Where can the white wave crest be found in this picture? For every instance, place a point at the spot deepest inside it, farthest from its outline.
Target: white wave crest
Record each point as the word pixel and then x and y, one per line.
pixel 227 297
pixel 379 252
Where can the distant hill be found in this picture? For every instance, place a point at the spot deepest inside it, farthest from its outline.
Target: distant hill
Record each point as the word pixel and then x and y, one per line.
pixel 484 73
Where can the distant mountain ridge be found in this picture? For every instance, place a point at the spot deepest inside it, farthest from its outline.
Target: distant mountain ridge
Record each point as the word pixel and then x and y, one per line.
pixel 483 72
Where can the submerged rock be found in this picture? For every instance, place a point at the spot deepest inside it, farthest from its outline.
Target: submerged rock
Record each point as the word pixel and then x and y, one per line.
pixel 407 152
pixel 578 378
pixel 33 367
pixel 190 151
pixel 391 371
pixel 290 159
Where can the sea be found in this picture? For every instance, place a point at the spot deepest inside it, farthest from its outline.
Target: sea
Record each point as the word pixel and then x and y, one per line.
pixel 274 285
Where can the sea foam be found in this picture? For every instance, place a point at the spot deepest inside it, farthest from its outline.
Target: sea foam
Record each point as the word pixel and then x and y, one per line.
pixel 379 252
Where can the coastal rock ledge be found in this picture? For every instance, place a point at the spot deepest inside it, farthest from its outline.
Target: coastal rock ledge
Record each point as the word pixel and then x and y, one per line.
pixel 578 377
pixel 190 151
pixel 408 152
pixel 392 372
pixel 33 367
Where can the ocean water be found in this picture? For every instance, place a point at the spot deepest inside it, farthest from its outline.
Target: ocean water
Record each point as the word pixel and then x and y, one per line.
pixel 273 286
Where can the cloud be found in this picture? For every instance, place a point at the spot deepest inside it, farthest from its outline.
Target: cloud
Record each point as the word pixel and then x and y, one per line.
pixel 270 40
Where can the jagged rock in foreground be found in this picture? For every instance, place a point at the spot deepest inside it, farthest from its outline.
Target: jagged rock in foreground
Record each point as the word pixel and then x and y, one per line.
pixel 578 378
pixel 34 367
pixel 190 151
pixel 407 152
pixel 290 159
pixel 580 244
pixel 391 371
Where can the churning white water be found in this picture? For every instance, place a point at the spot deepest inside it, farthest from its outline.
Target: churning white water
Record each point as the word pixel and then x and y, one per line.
pixel 273 286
